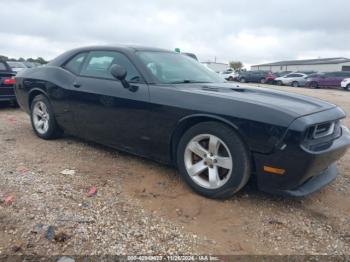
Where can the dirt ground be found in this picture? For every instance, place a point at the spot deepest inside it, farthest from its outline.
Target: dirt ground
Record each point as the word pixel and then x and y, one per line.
pixel 143 207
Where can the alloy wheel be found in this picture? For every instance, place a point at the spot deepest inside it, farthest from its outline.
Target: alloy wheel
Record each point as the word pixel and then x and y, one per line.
pixel 41 117
pixel 295 84
pixel 208 161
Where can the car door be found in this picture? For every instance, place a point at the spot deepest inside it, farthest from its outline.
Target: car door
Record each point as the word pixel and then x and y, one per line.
pixel 107 112
pixel 327 80
pixel 255 77
pixel 287 79
pixel 299 78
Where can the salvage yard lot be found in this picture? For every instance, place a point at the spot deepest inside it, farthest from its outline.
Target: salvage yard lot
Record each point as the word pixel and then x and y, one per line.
pixel 143 208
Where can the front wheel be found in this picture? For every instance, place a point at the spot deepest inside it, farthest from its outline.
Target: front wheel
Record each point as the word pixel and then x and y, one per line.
pixel 314 85
pixel 213 160
pixel 347 88
pixel 43 119
pixel 243 80
pixel 295 84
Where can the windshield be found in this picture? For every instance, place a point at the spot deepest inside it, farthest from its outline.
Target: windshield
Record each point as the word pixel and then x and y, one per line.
pixel 174 68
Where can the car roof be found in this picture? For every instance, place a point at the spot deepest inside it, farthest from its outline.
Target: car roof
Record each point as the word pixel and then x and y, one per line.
pixel 121 47
pixel 58 61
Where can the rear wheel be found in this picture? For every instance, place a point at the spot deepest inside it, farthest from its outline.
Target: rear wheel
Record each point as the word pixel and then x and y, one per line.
pixel 295 84
pixel 347 88
pixel 213 160
pixel 243 80
pixel 263 81
pixel 230 78
pixel 279 82
pixel 43 119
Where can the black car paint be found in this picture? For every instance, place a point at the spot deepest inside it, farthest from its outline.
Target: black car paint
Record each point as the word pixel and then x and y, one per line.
pixel 252 76
pixel 6 91
pixel 149 120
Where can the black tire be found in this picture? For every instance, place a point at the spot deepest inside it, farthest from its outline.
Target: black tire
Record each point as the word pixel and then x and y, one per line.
pixel 53 131
pixel 347 88
pixel 230 78
pixel 295 84
pixel 241 167
pixel 314 85
pixel 279 83
pixel 243 80
pixel 263 81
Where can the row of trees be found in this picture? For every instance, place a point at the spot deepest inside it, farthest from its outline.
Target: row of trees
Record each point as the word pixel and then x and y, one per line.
pixel 39 60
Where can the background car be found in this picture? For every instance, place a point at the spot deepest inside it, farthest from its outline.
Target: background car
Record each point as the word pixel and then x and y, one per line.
pixel 30 64
pixel 345 84
pixel 292 79
pixel 329 79
pixel 271 76
pixel 252 76
pixel 17 66
pixel 229 75
pixel 7 83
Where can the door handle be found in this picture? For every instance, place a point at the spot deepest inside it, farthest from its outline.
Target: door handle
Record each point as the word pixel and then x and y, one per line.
pixel 76 85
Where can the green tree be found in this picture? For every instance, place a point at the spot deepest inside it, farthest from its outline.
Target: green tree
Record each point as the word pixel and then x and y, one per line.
pixel 41 60
pixel 236 65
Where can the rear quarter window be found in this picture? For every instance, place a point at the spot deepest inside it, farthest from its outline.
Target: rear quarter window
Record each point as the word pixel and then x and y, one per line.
pixel 75 64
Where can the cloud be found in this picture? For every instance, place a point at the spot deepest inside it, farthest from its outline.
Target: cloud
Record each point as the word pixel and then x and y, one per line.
pixel 252 31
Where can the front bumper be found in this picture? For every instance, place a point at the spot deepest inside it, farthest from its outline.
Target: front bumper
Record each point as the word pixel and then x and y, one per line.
pixel 305 171
pixel 344 84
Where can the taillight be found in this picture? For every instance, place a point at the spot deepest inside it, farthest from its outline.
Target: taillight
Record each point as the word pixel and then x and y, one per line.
pixel 10 81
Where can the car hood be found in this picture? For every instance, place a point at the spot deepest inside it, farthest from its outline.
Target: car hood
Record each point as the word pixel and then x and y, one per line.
pixel 294 105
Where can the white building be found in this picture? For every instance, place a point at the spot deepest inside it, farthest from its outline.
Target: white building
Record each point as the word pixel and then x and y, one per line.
pixel 217 67
pixel 318 65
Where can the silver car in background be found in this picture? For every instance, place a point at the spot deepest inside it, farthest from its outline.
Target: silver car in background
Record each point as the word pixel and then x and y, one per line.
pixel 293 79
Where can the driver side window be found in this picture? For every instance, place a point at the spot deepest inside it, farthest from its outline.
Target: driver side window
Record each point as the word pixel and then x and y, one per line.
pixel 99 64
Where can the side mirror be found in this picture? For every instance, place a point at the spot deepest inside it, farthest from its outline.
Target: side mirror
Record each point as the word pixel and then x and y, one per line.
pixel 118 72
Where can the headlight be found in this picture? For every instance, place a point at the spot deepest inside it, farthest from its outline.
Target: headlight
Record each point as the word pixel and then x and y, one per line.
pixel 325 129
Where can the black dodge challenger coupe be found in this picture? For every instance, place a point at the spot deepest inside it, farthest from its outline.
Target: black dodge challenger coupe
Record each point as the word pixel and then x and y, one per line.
pixel 168 107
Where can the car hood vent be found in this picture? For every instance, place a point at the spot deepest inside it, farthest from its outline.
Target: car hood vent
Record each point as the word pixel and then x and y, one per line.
pixel 223 89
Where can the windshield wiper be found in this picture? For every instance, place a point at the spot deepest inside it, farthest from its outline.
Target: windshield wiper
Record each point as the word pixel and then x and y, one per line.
pixel 186 81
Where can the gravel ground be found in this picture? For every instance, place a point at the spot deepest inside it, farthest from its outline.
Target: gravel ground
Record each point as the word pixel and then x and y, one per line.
pixel 143 208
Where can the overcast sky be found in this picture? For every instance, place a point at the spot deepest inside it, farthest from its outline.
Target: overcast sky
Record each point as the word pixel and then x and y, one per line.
pixel 252 31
